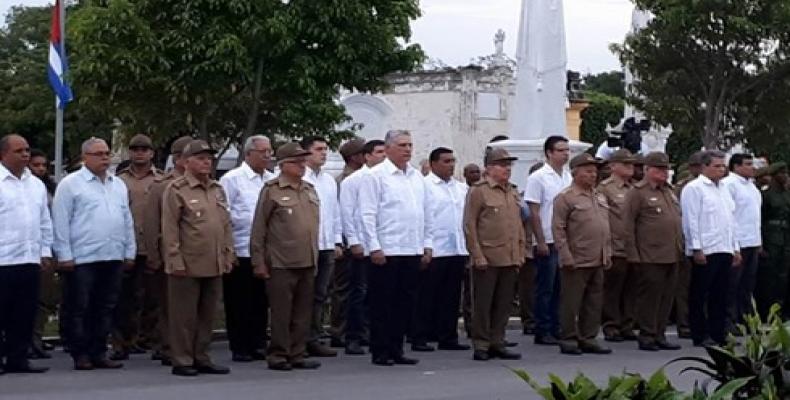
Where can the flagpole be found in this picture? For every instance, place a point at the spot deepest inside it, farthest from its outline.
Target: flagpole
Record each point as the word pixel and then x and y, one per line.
pixel 59 110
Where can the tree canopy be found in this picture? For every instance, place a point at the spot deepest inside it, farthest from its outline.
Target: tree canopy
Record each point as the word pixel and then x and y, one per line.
pixel 712 68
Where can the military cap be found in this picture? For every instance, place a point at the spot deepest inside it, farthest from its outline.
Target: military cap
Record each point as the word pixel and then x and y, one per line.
pixel 622 156
pixel 657 159
pixel 196 147
pixel 583 159
pixel 696 158
pixel 777 167
pixel 290 150
pixel 178 146
pixel 352 147
pixel 141 141
pixel 497 154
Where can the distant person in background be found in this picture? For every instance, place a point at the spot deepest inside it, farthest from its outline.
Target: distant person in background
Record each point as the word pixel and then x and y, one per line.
pixel 49 288
pixel 95 240
pixel 25 248
pixel 425 167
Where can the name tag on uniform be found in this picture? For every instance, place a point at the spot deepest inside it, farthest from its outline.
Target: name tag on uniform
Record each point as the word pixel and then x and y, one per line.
pixel 620 195
pixel 286 198
pixel 193 201
pixel 654 199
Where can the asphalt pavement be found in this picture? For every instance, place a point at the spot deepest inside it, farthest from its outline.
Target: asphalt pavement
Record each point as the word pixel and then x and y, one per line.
pixel 439 375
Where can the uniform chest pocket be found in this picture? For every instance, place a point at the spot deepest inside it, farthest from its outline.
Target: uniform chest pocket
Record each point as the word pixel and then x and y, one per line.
pixel 195 210
pixel 285 207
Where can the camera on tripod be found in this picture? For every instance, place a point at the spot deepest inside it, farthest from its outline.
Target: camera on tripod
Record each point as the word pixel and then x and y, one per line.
pixel 628 135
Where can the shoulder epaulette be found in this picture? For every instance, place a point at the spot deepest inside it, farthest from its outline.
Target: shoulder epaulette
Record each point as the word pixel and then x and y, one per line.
pixel 272 182
pixel 181 181
pixel 606 181
pixel 640 184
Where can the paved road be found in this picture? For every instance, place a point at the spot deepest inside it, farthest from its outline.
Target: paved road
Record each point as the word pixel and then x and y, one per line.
pixel 440 375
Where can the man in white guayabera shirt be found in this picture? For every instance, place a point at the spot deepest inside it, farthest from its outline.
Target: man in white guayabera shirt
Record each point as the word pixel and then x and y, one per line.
pixel 25 240
pixel 542 187
pixel 748 220
pixel 246 305
pixel 440 282
pixel 356 316
pixel 94 239
pixel 397 229
pixel 330 239
pixel 709 229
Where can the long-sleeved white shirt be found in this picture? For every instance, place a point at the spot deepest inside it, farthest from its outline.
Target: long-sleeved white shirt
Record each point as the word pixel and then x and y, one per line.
pixel 243 187
pixel 542 187
pixel 748 210
pixel 26 228
pixel 92 221
pixel 708 217
pixel 349 208
pixel 331 229
pixel 446 200
pixel 395 211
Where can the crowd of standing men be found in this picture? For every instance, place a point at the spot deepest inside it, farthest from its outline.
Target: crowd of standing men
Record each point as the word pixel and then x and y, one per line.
pixel 144 258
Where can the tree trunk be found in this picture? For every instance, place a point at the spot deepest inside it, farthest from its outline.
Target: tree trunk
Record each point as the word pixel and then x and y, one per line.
pixel 252 117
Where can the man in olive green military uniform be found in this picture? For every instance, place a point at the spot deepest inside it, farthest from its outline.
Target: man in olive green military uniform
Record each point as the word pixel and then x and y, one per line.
pixel 152 237
pixel 497 246
pixel 772 276
pixel 684 274
pixel 351 151
pixel 620 280
pixel 654 244
pixel 580 225
pixel 197 242
pixel 284 251
pixel 127 334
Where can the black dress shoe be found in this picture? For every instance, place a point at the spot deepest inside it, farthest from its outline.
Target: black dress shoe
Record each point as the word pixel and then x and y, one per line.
pixel 684 334
pixel 510 344
pixel 103 363
pixel 570 350
pixel 354 349
pixel 245 358
pixel 47 346
pixel 137 349
pixel 705 343
pixel 668 346
pixel 628 336
pixel 83 364
pixel 595 349
pixel 119 355
pixel 306 364
pixel 546 340
pixel 648 346
pixel 504 354
pixel 281 366
pixel 422 347
pixel 38 354
pixel 528 330
pixel 616 338
pixel 337 343
pixel 25 368
pixel 184 371
pixel 402 360
pixel 382 361
pixel 258 355
pixel 481 355
pixel 212 369
pixel 454 346
pixel 317 349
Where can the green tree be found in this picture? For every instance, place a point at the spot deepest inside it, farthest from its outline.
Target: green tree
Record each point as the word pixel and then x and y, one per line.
pixel 603 110
pixel 703 64
pixel 27 105
pixel 611 83
pixel 225 69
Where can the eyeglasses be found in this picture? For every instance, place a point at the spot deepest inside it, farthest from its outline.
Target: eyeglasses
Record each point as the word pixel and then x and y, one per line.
pixel 101 154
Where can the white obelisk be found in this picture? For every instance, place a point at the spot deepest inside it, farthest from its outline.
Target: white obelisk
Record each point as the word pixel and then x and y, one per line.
pixel 538 110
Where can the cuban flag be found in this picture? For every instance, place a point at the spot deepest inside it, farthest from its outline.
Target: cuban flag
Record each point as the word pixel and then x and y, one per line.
pixel 58 65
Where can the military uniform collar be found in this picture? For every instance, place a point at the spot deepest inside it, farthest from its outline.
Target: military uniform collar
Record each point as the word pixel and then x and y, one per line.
pixel 577 190
pixel 284 182
pixel 493 184
pixel 151 171
pixel 194 182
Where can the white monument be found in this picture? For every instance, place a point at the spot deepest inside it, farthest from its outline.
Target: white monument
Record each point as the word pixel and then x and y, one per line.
pixel 538 110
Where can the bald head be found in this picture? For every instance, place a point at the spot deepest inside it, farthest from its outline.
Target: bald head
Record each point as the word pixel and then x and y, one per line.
pixel 14 153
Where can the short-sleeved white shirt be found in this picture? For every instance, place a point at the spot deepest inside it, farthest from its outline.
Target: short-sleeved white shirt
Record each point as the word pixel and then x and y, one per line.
pixel 542 187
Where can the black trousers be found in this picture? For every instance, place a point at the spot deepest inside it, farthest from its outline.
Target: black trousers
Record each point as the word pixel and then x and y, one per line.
pixel 742 282
pixel 93 291
pixel 246 309
pixel 708 298
pixel 128 312
pixel 392 291
pixel 357 312
pixel 18 304
pixel 438 298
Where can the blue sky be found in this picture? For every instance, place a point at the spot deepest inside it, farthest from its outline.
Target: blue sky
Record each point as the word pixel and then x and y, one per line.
pixel 457 31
